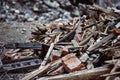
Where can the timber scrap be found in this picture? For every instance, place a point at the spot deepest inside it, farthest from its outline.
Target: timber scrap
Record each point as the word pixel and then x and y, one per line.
pixel 76 51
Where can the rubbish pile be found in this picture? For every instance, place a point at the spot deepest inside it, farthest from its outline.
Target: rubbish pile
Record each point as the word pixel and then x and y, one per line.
pixel 80 48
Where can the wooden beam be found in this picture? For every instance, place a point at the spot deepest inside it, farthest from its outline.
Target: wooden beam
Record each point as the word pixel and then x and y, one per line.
pixel 81 75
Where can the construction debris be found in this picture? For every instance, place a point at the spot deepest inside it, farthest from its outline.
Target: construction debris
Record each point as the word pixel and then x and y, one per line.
pixel 85 47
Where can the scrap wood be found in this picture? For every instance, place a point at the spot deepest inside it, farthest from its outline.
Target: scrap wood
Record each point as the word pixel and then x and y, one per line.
pixel 112 61
pixel 102 9
pixel 43 68
pixel 116 66
pixel 98 44
pixel 111 74
pixel 87 39
pixel 42 71
pixel 82 75
pixel 49 52
pixel 68 37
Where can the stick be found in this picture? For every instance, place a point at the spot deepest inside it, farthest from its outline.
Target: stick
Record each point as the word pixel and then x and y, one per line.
pixel 113 70
pixel 85 40
pixel 111 74
pixel 42 71
pixel 47 56
pixel 102 9
pixel 49 52
pixel 98 44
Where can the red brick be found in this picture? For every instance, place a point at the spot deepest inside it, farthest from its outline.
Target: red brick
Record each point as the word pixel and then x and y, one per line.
pixel 68 56
pixel 116 30
pixel 59 70
pixel 64 51
pixel 55 55
pixel 72 63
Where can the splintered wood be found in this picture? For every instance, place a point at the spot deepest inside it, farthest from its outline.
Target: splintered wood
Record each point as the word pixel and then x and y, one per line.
pixel 83 47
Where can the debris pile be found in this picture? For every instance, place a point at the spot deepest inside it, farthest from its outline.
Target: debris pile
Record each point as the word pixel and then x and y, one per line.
pixel 44 10
pixel 86 47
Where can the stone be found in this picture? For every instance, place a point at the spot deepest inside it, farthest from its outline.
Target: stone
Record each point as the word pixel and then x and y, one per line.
pixel 17 11
pixel 30 19
pixel 35 8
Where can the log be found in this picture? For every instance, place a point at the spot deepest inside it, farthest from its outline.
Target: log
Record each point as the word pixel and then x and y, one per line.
pixel 79 75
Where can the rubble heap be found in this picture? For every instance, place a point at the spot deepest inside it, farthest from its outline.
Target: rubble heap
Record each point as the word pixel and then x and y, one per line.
pixel 71 49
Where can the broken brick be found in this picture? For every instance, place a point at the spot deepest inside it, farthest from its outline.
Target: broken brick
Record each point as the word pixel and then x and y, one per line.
pixel 55 55
pixel 72 63
pixel 68 56
pixel 116 30
pixel 59 70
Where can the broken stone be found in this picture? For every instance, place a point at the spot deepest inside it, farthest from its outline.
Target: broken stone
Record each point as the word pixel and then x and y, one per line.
pixel 30 19
pixel 35 8
pixel 52 4
pixel 17 11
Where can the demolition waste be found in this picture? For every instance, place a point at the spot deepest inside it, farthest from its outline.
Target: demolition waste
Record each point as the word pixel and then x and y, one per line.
pixel 86 47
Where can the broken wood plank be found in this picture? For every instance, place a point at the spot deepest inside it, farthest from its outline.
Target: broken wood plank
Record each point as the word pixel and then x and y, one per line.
pixel 81 75
pixel 111 74
pixel 85 40
pixel 98 44
pixel 47 56
pixel 42 71
pixel 113 70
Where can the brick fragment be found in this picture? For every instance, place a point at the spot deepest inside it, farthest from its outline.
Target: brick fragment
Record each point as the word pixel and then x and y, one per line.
pixel 72 63
pixel 55 55
pixel 68 56
pixel 116 30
